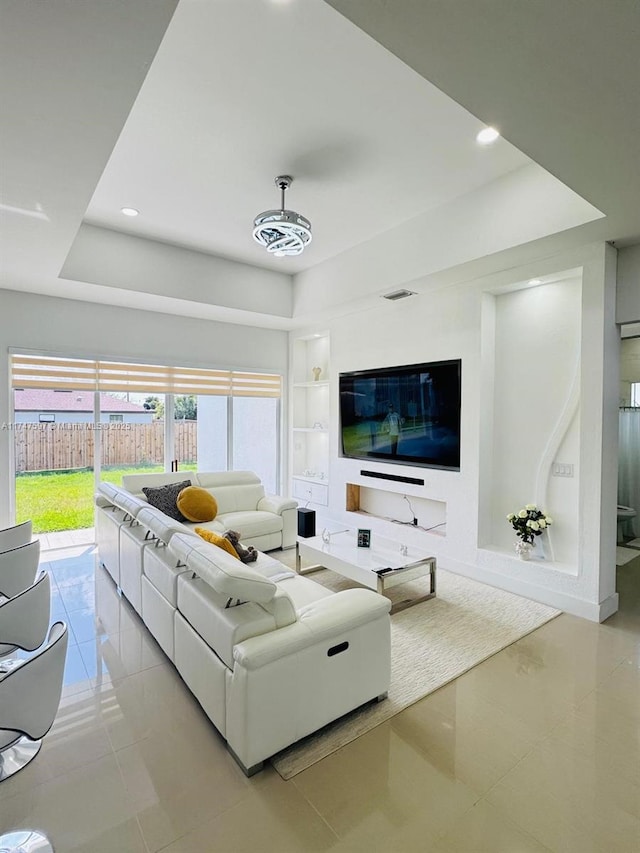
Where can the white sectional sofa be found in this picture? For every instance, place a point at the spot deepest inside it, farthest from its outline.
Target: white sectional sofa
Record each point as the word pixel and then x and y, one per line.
pixel 270 655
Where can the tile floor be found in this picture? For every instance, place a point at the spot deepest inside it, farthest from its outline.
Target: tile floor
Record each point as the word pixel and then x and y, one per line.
pixel 536 749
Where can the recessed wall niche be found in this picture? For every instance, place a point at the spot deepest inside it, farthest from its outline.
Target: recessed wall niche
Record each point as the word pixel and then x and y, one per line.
pixel 530 417
pixel 398 507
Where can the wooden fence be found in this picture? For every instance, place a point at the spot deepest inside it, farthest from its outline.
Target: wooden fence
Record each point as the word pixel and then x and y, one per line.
pixel 56 447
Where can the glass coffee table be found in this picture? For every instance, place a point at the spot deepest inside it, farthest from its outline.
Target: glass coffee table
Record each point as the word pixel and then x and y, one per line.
pixel 387 563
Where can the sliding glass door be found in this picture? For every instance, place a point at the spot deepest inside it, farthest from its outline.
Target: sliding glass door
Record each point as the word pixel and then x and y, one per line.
pixel 79 421
pixel 54 451
pixel 256 443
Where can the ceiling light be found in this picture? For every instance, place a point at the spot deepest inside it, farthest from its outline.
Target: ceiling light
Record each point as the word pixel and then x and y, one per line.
pixel 535 281
pixel 282 232
pixel 129 211
pixel 487 135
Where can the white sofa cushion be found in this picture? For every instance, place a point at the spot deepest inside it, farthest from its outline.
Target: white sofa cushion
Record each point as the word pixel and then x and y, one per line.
pixel 134 482
pixel 162 569
pixel 226 574
pixel 303 591
pixel 219 626
pixel 214 526
pixel 182 544
pixel 233 490
pixel 131 504
pixel 270 567
pixel 250 524
pixel 108 490
pixel 160 525
pixel 102 500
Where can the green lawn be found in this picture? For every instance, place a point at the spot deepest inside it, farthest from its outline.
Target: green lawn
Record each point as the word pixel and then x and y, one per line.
pixel 64 501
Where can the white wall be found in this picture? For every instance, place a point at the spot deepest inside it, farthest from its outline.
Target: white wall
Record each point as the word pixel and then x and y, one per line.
pixel 628 285
pixel 73 328
pixel 519 208
pixel 116 260
pixel 549 339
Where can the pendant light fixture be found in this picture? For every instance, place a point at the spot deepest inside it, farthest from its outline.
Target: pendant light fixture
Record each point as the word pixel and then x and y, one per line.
pixel 282 232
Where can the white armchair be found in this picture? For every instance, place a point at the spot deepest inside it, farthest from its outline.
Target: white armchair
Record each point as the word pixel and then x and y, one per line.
pixel 29 699
pixel 24 619
pixel 14 537
pixel 18 568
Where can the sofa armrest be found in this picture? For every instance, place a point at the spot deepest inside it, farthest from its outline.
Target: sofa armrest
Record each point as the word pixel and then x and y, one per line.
pixel 324 620
pixel 275 504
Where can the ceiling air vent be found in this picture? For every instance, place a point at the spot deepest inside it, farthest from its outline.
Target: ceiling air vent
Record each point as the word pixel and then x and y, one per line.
pixel 399 294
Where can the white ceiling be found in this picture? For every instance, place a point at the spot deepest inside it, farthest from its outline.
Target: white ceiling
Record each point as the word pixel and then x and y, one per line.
pixel 560 78
pixel 190 117
pixel 240 92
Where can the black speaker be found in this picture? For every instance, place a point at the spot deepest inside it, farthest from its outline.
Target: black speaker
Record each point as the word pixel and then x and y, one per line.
pixel 397 477
pixel 306 523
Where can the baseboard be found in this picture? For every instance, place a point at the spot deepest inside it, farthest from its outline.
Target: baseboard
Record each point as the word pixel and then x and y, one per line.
pixel 608 607
pixel 591 610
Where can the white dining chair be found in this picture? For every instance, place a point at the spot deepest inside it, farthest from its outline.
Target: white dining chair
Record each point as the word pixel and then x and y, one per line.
pixel 24 619
pixel 25 841
pixel 15 536
pixel 29 699
pixel 18 568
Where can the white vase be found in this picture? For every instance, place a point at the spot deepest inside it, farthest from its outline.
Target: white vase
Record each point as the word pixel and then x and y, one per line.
pixel 523 549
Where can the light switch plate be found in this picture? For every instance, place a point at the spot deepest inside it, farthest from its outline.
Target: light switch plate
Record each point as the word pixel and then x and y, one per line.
pixel 562 469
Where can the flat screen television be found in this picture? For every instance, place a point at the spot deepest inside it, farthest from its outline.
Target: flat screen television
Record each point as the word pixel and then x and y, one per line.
pixel 408 415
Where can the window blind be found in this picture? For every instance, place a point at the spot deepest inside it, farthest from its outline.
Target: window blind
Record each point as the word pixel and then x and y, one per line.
pixel 34 371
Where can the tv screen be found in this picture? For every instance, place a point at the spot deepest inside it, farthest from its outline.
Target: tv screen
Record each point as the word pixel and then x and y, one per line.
pixel 408 415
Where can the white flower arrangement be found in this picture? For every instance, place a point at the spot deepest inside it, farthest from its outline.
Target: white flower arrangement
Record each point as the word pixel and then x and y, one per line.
pixel 529 522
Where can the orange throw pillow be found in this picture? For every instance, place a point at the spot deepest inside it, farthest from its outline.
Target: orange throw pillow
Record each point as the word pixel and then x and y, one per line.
pixel 216 539
pixel 197 504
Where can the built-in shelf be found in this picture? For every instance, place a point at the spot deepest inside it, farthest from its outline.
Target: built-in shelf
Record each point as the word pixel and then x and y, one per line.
pixel 321 383
pixel 398 508
pixel 536 561
pixel 319 480
pixel 311 489
pixel 310 408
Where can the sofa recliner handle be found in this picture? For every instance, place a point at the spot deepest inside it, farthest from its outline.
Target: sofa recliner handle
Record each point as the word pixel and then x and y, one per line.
pixel 336 650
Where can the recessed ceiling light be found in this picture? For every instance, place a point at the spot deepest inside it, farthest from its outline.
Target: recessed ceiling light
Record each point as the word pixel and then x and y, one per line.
pixel 129 211
pixel 535 281
pixel 487 135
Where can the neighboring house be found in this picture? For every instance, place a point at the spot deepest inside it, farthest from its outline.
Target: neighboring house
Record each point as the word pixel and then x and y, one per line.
pixel 39 405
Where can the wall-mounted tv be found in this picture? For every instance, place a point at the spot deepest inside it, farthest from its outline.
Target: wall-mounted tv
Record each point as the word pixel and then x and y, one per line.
pixel 408 415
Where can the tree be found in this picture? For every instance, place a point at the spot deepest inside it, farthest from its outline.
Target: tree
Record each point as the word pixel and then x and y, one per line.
pixel 155 405
pixel 185 408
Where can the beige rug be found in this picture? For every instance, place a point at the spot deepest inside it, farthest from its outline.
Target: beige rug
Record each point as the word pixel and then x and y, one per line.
pixel 431 644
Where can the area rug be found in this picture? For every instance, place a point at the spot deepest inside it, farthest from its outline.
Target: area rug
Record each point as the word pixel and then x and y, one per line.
pixel 624 555
pixel 431 644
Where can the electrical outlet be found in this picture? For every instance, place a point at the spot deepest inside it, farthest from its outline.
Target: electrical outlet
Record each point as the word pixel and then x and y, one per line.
pixel 562 469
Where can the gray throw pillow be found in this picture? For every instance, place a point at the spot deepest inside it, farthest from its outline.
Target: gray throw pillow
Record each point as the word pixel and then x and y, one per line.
pixel 165 498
